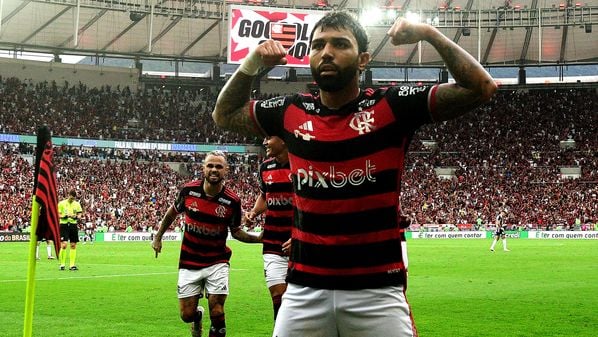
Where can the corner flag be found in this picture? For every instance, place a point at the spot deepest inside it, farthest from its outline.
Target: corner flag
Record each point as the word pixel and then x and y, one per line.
pixel 45 189
pixel 45 222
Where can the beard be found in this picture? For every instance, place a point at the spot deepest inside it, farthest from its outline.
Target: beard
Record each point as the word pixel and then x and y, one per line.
pixel 214 180
pixel 337 82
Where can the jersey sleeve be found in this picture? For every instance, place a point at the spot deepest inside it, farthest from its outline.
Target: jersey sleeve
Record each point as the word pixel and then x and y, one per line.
pixel 179 202
pixel 235 221
pixel 268 114
pixel 260 179
pixel 412 105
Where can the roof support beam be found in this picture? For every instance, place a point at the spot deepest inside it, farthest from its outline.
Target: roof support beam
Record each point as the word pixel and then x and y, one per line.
pixel 6 19
pixel 201 36
pixel 121 34
pixel 84 28
pixel 528 35
pixel 171 25
pixel 42 27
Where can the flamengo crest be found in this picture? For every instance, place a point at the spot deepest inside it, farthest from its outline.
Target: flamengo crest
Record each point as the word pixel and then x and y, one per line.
pixel 362 121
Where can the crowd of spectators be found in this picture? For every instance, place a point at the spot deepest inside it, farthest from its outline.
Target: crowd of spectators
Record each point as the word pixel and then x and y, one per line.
pixel 156 115
pixel 507 155
pixel 114 193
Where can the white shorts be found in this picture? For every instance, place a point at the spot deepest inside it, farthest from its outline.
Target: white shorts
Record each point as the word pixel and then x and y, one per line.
pixel 275 269
pixel 211 280
pixel 316 312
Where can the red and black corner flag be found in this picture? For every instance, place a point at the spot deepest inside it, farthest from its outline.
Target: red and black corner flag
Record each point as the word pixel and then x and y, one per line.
pixel 44 189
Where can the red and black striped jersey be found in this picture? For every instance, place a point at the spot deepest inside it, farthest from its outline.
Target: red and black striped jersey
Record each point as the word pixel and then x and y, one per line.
pixel 347 165
pixel 276 184
pixel 207 222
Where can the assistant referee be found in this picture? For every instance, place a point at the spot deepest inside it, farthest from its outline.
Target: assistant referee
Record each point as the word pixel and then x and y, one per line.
pixel 70 212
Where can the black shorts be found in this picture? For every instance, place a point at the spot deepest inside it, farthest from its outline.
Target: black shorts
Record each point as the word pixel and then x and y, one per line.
pixel 69 232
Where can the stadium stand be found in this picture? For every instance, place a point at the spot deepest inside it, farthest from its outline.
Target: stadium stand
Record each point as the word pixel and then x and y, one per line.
pixel 510 152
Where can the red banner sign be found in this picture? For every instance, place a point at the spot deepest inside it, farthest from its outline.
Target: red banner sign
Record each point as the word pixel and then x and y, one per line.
pixel 250 26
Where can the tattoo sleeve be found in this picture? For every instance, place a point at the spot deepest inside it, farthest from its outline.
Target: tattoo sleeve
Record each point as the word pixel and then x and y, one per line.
pixel 473 86
pixel 231 111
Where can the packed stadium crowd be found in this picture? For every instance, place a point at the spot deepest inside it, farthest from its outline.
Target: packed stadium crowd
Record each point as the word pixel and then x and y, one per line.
pixel 506 155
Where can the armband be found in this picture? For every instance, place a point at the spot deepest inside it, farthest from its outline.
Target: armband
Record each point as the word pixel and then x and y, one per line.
pixel 251 64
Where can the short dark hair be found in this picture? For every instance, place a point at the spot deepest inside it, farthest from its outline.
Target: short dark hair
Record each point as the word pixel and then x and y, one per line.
pixel 344 20
pixel 73 193
pixel 217 153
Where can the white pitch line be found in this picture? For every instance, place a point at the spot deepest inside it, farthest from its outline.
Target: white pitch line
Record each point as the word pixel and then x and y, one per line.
pixel 98 276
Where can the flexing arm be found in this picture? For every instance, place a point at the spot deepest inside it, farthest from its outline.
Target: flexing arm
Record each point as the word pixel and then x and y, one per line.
pixel 232 106
pixel 473 86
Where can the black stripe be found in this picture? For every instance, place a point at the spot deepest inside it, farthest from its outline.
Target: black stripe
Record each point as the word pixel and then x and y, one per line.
pixel 346 282
pixel 347 256
pixel 348 223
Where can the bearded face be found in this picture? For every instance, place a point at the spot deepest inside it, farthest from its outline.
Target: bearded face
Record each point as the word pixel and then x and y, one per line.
pixel 331 77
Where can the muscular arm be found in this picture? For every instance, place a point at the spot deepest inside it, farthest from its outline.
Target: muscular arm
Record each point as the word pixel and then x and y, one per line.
pixel 232 106
pixel 473 86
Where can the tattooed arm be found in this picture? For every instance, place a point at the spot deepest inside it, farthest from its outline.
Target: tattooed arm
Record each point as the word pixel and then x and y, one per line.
pixel 473 87
pixel 231 111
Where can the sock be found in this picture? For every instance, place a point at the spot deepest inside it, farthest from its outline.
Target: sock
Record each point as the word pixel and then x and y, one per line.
pixel 218 328
pixel 62 257
pixel 504 244
pixel 493 244
pixel 49 250
pixel 276 300
pixel 72 256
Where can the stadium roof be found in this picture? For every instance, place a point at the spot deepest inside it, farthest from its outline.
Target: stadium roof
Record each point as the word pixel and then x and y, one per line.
pixel 509 33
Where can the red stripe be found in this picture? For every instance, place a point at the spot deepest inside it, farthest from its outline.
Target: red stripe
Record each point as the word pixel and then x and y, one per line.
pixel 230 193
pixel 389 199
pixel 206 253
pixel 354 239
pixel 288 213
pixel 256 123
pixel 280 229
pixel 381 114
pixel 284 35
pixel 347 271
pixel 45 194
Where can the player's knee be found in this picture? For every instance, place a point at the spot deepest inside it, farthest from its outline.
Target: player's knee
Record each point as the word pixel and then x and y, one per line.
pixel 187 316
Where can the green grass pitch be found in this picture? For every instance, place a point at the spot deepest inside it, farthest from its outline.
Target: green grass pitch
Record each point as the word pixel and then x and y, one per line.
pixel 456 288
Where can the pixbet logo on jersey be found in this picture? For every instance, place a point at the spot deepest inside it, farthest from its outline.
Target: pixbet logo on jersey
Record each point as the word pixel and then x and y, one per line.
pixel 334 178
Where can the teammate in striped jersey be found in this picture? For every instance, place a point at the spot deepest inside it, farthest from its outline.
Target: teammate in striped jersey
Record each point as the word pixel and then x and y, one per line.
pixel 276 200
pixel 211 209
pixel 347 148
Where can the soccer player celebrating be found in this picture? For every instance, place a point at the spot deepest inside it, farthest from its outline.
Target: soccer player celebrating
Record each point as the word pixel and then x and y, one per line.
pixel 276 199
pixel 210 209
pixel 347 149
